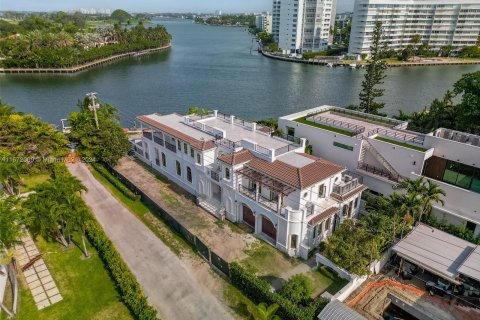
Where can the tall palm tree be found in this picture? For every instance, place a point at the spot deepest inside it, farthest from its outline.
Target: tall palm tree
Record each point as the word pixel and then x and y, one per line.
pixel 416 186
pixel 264 312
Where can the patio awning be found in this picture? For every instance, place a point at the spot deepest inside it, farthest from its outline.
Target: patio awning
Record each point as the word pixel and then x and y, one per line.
pixel 471 266
pixel 265 180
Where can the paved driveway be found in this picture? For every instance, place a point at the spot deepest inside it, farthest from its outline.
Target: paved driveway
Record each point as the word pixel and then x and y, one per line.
pixel 164 278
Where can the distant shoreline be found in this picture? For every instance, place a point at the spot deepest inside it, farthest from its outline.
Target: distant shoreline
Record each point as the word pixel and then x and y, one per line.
pixel 358 63
pixel 84 66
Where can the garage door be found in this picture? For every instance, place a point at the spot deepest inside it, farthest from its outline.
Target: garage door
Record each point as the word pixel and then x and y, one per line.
pixel 268 228
pixel 248 216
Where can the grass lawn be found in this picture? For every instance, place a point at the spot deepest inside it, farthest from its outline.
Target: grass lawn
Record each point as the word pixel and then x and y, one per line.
pixel 264 260
pixel 322 126
pixel 402 144
pixel 31 181
pixel 324 280
pixel 86 288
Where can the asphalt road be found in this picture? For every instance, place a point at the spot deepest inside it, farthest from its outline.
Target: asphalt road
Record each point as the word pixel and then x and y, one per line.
pixel 164 278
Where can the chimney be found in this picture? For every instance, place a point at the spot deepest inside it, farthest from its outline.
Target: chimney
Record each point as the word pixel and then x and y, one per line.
pixel 232 119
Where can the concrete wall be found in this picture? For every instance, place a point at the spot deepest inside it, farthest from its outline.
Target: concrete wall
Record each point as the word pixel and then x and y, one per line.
pixel 404 160
pixel 453 150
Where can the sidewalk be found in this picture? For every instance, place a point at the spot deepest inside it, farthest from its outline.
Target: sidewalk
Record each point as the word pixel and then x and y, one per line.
pixel 165 279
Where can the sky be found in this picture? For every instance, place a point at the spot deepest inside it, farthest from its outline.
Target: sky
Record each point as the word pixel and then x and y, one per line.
pixel 204 6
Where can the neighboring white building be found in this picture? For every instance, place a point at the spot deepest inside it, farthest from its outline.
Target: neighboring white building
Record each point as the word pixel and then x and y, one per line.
pixel 238 171
pixel 263 22
pixel 438 22
pixel 303 25
pixel 365 144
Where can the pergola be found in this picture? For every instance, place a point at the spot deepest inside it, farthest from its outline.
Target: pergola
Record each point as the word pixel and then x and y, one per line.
pixel 265 180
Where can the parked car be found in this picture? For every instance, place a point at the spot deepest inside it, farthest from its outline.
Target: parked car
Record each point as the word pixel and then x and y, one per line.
pixel 439 288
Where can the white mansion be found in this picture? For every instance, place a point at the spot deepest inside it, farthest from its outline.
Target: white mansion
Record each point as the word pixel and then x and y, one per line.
pixel 384 152
pixel 239 171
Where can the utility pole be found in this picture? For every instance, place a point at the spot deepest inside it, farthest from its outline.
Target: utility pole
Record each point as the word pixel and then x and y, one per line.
pixel 94 106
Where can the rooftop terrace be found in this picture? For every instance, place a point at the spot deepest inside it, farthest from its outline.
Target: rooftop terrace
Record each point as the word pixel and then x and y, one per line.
pixel 357 124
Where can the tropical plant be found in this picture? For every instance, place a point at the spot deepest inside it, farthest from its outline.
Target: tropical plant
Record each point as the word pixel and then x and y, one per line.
pixel 264 312
pixel 11 219
pixel 107 143
pixel 374 74
pixel 10 170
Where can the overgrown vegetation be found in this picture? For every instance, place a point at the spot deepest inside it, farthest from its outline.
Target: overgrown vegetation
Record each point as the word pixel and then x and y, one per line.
pixel 353 246
pixel 46 42
pixel 106 143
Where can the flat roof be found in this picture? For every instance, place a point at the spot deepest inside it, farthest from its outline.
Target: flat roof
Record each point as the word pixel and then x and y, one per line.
pixel 437 251
pixel 176 121
pixel 471 266
pixel 235 132
pixel 336 310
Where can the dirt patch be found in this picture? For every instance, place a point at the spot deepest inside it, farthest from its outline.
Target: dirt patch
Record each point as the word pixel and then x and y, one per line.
pixel 223 238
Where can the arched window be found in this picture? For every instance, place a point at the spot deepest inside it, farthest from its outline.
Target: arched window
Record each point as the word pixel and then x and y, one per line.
pixel 164 160
pixel 179 168
pixel 189 174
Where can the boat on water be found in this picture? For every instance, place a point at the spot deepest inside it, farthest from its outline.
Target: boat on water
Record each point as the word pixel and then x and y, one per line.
pixel 330 65
pixel 352 65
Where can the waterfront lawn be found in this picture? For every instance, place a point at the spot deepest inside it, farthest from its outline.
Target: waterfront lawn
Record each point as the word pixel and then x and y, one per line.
pixel 85 285
pixel 323 126
pixel 266 261
pixel 402 144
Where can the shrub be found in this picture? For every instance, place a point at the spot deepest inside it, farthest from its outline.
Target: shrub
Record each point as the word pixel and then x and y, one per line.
pixel 126 283
pixel 297 289
pixel 259 291
pixel 120 186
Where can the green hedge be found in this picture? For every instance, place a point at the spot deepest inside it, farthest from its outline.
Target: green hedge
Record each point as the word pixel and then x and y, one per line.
pixel 120 186
pixel 125 281
pixel 259 291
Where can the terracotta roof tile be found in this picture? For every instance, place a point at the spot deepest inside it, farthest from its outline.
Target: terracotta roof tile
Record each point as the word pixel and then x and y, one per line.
pixel 300 178
pixel 323 215
pixel 197 144
pixel 235 158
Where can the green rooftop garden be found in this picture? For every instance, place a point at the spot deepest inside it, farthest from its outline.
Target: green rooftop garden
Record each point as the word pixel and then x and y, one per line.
pixel 324 126
pixel 365 117
pixel 402 144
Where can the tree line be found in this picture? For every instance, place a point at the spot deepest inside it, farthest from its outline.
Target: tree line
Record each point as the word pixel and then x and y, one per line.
pixel 45 44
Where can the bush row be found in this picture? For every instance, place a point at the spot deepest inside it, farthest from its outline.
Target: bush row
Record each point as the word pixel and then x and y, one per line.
pixel 259 291
pixel 119 185
pixel 125 281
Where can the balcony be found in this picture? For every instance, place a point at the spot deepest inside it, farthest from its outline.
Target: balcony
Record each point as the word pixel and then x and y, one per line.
pixel 345 186
pixel 248 192
pixel 251 193
pixel 379 172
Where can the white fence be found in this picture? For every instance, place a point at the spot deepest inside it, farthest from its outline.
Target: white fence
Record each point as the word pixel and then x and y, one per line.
pixel 354 280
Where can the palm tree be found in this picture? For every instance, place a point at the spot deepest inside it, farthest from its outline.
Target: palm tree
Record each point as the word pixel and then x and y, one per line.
pixel 431 193
pixel 10 175
pixel 264 312
pixel 416 186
